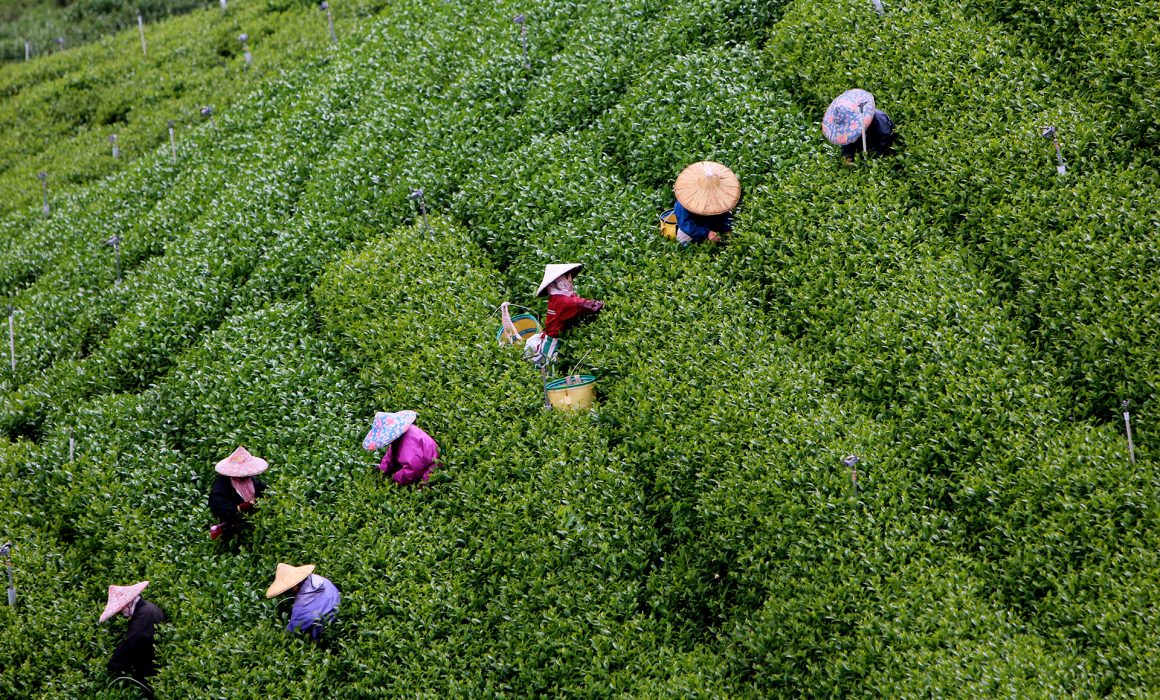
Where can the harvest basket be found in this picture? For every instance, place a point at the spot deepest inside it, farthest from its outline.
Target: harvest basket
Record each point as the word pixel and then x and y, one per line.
pixel 526 325
pixel 576 392
pixel 668 224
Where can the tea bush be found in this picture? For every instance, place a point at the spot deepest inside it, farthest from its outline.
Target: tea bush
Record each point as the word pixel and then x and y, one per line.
pixel 959 316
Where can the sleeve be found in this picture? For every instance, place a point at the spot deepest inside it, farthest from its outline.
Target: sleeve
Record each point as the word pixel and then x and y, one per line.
pixel 388 460
pixel 223 500
pixel 690 224
pixel 884 136
pixel 568 307
pixel 259 487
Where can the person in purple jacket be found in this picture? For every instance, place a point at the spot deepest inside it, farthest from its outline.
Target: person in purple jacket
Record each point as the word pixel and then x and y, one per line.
pixel 411 454
pixel 316 599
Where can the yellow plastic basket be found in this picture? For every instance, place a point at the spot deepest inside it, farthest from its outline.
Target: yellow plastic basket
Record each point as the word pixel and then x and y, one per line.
pixel 526 325
pixel 573 393
pixel 668 224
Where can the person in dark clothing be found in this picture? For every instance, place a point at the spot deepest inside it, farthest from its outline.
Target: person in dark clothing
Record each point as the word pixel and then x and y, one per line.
pixel 235 491
pixel 134 656
pixel 879 138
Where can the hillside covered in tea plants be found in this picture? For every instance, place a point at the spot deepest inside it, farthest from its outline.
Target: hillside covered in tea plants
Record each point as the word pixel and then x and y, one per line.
pixel 960 316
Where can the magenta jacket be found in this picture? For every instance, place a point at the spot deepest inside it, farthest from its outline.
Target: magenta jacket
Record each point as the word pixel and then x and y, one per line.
pixel 411 457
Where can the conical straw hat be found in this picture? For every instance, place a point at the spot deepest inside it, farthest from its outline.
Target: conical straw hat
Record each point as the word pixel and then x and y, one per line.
pixel 288 577
pixel 551 272
pixel 121 596
pixel 707 188
pixel 241 463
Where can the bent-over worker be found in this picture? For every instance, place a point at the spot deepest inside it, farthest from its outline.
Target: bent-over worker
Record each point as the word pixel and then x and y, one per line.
pixel 235 490
pixel 411 454
pixel 706 192
pixel 316 599
pixel 565 306
pixel 855 123
pixel 134 656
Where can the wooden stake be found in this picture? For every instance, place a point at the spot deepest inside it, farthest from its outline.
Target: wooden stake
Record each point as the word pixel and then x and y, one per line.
pixel 115 241
pixel 245 39
pixel 418 197
pixel 851 461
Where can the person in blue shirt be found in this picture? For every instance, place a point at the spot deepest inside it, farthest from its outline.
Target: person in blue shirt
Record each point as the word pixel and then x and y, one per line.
pixel 695 228
pixel 706 193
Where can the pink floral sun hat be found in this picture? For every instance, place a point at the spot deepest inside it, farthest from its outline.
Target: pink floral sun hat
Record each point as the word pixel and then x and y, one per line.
pixel 241 463
pixel 121 596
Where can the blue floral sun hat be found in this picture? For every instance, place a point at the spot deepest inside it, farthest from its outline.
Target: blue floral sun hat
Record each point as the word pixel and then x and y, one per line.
pixel 847 116
pixel 386 428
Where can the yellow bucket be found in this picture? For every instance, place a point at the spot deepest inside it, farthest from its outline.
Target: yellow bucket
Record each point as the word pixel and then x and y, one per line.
pixel 573 393
pixel 668 222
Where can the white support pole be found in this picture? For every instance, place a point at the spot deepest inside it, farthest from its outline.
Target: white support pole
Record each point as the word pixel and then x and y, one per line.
pixel 141 28
pixel 12 336
pixel 330 23
pixel 1128 429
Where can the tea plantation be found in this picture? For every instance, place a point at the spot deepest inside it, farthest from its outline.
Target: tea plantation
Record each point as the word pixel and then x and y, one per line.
pixel 960 316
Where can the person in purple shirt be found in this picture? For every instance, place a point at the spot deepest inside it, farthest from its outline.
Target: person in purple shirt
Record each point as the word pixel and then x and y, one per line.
pixel 411 454
pixel 316 599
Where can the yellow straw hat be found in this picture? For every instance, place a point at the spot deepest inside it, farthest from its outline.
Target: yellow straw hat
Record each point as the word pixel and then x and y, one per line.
pixel 288 577
pixel 241 463
pixel 121 596
pixel 707 188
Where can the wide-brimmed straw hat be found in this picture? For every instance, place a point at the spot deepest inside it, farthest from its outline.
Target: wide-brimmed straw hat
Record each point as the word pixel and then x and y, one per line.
pixel 121 596
pixel 386 428
pixel 288 577
pixel 241 463
pixel 707 188
pixel 553 272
